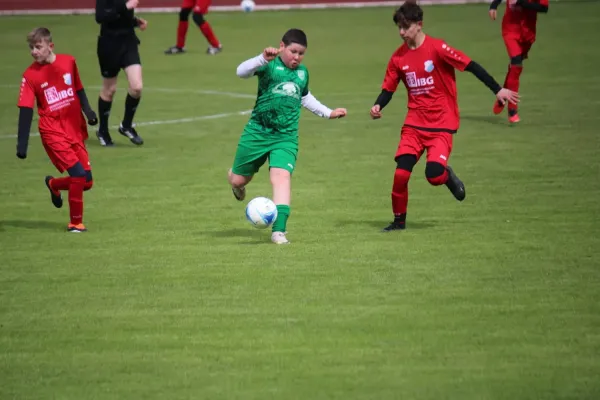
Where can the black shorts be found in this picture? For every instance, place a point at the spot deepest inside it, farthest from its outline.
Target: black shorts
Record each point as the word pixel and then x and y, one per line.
pixel 116 53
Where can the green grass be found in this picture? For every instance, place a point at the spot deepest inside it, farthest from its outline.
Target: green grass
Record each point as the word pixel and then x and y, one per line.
pixel 172 295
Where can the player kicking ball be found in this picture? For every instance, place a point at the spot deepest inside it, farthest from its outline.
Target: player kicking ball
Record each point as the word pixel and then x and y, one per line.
pixel 426 67
pixel 53 82
pixel 272 131
pixel 518 32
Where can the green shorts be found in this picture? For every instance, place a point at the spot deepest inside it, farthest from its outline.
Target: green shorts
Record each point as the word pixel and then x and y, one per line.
pixel 254 149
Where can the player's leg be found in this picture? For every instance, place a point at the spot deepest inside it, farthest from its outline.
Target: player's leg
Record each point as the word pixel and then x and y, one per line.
pixel 282 162
pixel 132 66
pixel 408 153
pixel 108 52
pixel 250 155
pixel 199 12
pixel 514 49
pixel 182 27
pixel 65 157
pixel 437 170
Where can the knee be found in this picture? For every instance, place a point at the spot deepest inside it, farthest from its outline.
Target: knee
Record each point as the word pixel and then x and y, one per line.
pixel 279 176
pixel 516 60
pixel 184 14
pixel 435 173
pixel 135 88
pixel 108 91
pixel 77 171
pixel 406 162
pixel 237 180
pixel 198 18
pixel 89 180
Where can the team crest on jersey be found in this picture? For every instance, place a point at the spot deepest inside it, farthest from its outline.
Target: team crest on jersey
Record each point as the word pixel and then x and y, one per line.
pixel 287 89
pixel 301 75
pixel 67 78
pixel 429 66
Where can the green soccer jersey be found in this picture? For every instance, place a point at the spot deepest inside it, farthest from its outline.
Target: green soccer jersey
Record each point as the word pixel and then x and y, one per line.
pixel 279 99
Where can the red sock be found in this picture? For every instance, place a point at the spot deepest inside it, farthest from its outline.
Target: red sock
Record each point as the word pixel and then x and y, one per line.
pixel 209 34
pixel 76 199
pixel 439 180
pixel 181 32
pixel 512 81
pixel 59 184
pixel 400 191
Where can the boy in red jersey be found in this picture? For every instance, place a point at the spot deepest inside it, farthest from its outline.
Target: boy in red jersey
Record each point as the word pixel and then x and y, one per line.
pixel 426 67
pixel 53 82
pixel 518 31
pixel 198 9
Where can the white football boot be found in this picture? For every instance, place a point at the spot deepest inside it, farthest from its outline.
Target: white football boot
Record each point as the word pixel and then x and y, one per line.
pixel 279 238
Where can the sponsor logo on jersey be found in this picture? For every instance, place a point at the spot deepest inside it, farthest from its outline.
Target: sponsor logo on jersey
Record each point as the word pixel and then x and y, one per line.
pixel 287 89
pixel 413 82
pixel 58 99
pixel 67 78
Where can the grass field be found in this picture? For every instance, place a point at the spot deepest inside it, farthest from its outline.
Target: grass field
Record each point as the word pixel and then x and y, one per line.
pixel 172 295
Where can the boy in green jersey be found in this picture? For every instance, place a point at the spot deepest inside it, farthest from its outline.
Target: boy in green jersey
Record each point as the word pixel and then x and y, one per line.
pixel 272 131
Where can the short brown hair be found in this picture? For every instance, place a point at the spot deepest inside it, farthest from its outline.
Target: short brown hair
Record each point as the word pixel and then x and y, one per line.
pixel 408 13
pixel 39 34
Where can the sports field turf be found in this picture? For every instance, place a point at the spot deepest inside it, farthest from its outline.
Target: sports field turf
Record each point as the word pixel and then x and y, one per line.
pixel 173 295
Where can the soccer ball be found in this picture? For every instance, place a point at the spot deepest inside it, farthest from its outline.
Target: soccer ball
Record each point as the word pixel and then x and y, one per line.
pixel 261 212
pixel 247 5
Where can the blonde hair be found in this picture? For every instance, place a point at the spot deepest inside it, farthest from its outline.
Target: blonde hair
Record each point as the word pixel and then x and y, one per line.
pixel 39 34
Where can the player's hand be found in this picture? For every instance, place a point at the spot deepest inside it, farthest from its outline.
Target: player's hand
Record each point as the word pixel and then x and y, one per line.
pixel 142 23
pixel 338 113
pixel 92 118
pixel 375 111
pixel 505 95
pixel 131 4
pixel 270 53
pixel 493 14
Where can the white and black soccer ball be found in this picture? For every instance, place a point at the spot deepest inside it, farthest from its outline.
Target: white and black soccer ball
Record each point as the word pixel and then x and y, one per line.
pixel 247 5
pixel 261 212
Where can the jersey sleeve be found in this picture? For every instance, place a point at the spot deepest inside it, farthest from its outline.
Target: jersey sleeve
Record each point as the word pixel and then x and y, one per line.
pixel 77 85
pixel 392 76
pixel 451 56
pixel 26 94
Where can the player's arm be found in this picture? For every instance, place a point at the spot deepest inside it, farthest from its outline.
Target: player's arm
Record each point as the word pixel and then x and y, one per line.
pixel 388 88
pixel 26 103
pixel 110 10
pixel 311 103
pixel 256 64
pixel 494 4
pixel 501 93
pixel 83 100
pixel 493 9
pixel 25 119
pixel 541 7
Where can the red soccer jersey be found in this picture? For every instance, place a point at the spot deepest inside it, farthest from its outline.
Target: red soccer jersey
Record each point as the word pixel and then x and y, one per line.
pixel 520 21
pixel 54 88
pixel 429 77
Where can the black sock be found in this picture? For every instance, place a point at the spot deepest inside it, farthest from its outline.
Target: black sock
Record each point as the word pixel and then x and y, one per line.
pixel 104 113
pixel 511 112
pixel 400 219
pixel 131 104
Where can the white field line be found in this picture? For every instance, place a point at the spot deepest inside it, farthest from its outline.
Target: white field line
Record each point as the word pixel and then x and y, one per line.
pixel 168 90
pixel 164 122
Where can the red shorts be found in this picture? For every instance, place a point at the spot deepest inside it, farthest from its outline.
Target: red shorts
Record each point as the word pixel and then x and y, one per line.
pixel 198 6
pixel 415 141
pixel 64 154
pixel 516 45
